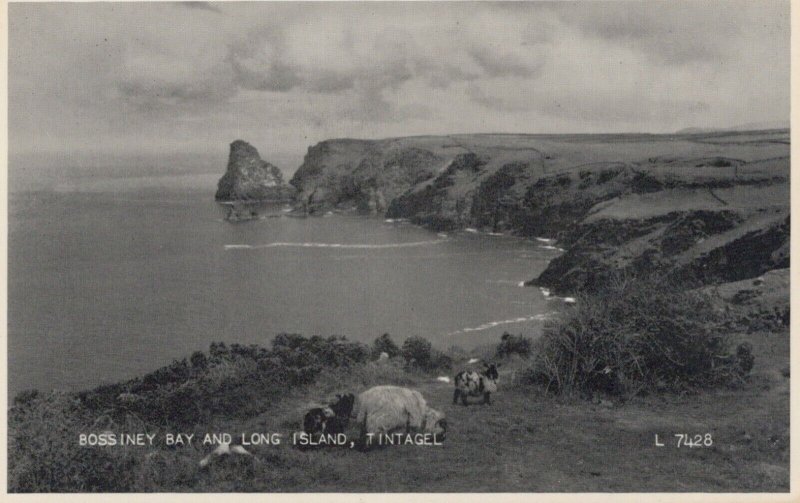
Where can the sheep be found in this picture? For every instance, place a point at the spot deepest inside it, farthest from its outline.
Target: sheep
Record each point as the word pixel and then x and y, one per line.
pixel 384 409
pixel 472 383
pixel 225 449
pixel 332 418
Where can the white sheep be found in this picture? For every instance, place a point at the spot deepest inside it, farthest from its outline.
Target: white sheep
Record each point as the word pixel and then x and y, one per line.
pixel 383 409
pixel 224 449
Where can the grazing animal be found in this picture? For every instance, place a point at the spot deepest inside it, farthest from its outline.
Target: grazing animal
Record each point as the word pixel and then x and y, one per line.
pixel 473 383
pixel 224 449
pixel 342 408
pixel 332 418
pixel 384 409
pixel 316 420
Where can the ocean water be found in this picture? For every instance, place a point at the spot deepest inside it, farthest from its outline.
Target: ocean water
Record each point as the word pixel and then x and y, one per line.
pixel 118 280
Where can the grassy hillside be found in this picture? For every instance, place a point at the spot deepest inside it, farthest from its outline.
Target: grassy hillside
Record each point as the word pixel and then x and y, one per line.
pixel 529 439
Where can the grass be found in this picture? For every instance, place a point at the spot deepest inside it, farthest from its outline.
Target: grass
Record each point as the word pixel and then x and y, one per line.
pixel 528 440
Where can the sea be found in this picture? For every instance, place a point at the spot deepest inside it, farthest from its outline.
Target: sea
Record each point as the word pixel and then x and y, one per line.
pixel 110 278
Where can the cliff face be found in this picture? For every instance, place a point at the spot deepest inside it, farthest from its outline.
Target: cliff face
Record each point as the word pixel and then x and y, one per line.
pixel 704 208
pixel 248 177
pixel 363 175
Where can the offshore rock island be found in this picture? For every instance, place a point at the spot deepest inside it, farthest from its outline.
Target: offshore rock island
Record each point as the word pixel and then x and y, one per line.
pixel 249 178
pixel 707 207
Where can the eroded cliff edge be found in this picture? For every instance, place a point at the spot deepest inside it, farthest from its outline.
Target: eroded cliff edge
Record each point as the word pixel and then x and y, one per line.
pixel 706 208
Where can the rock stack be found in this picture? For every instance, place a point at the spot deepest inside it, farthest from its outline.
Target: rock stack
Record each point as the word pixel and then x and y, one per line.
pixel 249 178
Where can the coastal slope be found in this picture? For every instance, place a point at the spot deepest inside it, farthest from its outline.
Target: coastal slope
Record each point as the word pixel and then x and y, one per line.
pixel 704 208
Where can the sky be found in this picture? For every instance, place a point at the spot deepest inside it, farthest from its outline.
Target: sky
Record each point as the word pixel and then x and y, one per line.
pixel 171 78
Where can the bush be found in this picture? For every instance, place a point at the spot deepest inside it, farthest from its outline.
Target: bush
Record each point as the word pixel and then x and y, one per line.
pixel 419 353
pixel 45 456
pixel 236 380
pixel 384 344
pixel 636 334
pixel 198 360
pixel 513 344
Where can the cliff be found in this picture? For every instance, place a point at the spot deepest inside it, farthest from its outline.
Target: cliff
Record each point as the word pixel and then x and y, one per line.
pixel 704 208
pixel 248 177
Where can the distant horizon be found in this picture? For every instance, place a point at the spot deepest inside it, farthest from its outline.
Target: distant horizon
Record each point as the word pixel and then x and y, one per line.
pixel 112 153
pixel 26 169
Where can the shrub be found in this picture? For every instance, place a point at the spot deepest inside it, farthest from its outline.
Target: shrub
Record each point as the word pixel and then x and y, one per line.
pixel 198 360
pixel 45 456
pixel 636 334
pixel 236 381
pixel 513 344
pixel 440 361
pixel 419 353
pixel 385 344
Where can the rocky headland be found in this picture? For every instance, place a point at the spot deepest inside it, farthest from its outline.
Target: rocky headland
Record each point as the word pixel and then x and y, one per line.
pixel 249 178
pixel 704 208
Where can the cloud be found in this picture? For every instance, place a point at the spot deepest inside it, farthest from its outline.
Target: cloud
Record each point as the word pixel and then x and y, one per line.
pixel 331 81
pixel 147 73
pixel 200 6
pixel 593 106
pixel 497 64
pixel 274 76
pixel 153 95
pixel 367 66
pixel 672 33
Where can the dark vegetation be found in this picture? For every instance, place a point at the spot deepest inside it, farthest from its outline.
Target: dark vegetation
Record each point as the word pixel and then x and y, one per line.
pixel 230 380
pixel 638 335
pixel 513 345
pixel 419 354
pixel 227 382
pixel 384 344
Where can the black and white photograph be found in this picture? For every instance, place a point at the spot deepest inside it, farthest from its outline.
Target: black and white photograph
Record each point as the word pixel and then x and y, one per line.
pixel 398 247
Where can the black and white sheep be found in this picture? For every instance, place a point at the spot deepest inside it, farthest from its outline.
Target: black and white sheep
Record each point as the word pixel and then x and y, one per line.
pixel 472 383
pixel 330 419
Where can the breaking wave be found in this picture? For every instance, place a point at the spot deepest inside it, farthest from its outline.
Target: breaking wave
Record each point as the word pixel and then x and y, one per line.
pixel 549 296
pixel 505 282
pixel 344 246
pixel 492 324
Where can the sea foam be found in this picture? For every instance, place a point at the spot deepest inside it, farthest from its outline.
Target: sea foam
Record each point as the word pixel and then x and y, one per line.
pixel 551 247
pixel 505 282
pixel 492 324
pixel 345 246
